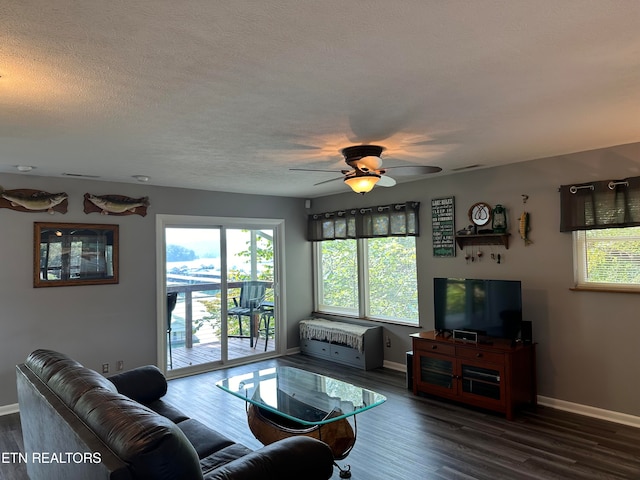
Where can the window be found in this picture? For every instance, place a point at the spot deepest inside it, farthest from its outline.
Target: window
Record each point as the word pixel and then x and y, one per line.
pixel 365 262
pixel 607 258
pixel 372 278
pixel 338 277
pixel 604 217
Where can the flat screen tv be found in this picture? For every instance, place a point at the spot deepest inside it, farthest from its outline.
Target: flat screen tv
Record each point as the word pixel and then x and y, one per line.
pixel 491 308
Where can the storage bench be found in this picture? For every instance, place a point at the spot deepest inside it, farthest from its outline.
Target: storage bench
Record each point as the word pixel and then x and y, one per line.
pixel 342 342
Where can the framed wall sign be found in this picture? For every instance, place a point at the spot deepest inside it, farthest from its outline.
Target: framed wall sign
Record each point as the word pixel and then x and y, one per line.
pixel 443 225
pixel 74 254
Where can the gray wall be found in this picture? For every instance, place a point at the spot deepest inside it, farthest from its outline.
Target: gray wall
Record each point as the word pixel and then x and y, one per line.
pixel 587 342
pixel 106 323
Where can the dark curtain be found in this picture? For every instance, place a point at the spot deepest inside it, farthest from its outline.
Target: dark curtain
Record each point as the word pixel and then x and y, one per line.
pixel 400 219
pixel 602 204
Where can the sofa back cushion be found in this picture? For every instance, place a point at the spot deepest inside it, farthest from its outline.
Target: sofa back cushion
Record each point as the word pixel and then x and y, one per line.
pixel 66 377
pixel 46 363
pixel 152 445
pixel 73 381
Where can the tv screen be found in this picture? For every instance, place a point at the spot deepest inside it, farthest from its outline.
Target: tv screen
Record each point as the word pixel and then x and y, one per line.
pixel 491 308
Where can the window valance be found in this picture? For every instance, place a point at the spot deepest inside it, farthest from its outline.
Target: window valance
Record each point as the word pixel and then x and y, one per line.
pixel 400 219
pixel 602 204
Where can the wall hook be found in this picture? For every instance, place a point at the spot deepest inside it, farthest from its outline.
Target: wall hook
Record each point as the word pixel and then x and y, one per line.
pixel 524 198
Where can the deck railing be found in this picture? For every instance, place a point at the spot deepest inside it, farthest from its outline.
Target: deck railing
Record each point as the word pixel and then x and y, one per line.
pixel 189 288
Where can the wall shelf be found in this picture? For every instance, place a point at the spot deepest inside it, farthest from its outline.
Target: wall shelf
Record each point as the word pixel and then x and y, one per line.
pixel 483 239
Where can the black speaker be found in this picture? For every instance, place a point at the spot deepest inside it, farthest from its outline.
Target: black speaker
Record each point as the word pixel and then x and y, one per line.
pixel 526 333
pixel 410 370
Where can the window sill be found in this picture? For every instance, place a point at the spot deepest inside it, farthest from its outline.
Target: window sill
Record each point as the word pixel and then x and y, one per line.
pixel 335 316
pixel 585 288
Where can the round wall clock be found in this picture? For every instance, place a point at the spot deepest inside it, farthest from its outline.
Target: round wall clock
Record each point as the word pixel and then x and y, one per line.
pixel 480 213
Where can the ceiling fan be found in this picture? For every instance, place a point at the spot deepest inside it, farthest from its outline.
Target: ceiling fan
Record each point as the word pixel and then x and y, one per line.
pixel 366 169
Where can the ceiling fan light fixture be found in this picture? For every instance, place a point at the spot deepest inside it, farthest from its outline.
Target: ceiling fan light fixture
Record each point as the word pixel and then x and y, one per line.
pixel 362 183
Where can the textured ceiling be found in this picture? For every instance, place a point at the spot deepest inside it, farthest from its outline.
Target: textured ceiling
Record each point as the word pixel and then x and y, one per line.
pixel 229 96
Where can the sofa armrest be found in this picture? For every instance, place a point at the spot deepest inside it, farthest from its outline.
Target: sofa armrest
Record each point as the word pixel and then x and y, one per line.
pixel 289 459
pixel 143 384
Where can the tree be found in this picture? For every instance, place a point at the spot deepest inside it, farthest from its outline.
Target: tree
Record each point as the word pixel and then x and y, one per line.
pixel 264 259
pixel 178 253
pixel 392 277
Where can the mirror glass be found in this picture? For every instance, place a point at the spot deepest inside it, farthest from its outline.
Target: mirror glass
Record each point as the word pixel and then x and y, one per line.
pixel 75 254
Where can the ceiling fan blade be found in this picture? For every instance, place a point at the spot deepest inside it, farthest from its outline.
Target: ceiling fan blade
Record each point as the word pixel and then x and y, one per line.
pixel 312 170
pixel 386 181
pixel 327 181
pixel 414 169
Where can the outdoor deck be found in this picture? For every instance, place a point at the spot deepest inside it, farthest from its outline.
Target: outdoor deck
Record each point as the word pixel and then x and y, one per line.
pixel 211 351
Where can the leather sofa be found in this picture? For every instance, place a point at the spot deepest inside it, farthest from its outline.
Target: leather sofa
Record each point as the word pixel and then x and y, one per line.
pixel 77 424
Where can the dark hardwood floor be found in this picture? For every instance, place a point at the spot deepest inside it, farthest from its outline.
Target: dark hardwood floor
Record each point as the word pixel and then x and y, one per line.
pixel 11 444
pixel 416 438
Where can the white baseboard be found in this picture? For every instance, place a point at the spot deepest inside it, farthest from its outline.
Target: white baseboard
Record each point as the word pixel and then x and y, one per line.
pixel 9 409
pixel 589 411
pixel 400 367
pixel 586 410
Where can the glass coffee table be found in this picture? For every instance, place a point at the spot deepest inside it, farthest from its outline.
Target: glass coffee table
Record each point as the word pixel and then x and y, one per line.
pixel 287 401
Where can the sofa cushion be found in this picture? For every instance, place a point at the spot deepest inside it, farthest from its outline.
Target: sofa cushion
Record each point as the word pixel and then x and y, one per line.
pixel 151 444
pixel 297 457
pixel 166 410
pixel 222 457
pixel 73 381
pixel 203 439
pixel 46 363
pixel 143 384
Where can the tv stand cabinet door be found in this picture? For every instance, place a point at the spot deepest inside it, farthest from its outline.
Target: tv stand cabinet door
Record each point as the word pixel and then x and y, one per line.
pixel 483 384
pixel 434 374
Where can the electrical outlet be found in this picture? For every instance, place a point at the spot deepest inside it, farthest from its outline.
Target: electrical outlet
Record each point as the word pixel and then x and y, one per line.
pixel 105 368
pixel 119 365
pixel 388 341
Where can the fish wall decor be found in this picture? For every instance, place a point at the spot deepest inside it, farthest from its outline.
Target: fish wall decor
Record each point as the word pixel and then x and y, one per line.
pixel 28 200
pixel 115 204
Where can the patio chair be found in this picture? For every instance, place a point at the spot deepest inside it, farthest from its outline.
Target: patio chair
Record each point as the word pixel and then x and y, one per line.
pixel 249 303
pixel 172 299
pixel 265 327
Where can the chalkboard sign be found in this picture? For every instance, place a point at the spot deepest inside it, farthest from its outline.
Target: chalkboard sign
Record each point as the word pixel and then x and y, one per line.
pixel 443 223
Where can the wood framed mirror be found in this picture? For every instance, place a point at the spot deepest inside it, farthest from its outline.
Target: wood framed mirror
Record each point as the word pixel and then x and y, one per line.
pixel 74 254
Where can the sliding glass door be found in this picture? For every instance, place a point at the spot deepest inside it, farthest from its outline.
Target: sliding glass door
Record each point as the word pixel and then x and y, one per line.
pixel 194 293
pixel 218 288
pixel 250 281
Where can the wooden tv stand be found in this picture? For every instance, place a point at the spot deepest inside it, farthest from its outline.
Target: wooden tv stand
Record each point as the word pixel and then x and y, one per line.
pixel 497 376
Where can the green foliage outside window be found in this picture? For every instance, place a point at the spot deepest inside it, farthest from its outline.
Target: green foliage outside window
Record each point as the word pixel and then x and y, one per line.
pixel 264 257
pixel 391 279
pixel 613 255
pixel 393 284
pixel 339 274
